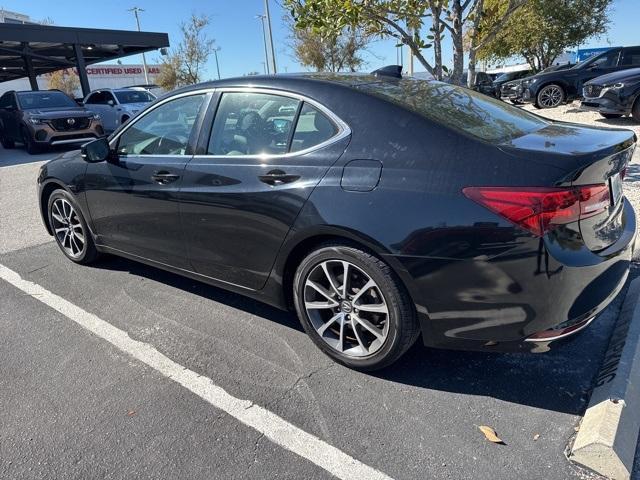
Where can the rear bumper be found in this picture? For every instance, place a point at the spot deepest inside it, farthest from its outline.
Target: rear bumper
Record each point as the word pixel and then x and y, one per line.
pixel 504 303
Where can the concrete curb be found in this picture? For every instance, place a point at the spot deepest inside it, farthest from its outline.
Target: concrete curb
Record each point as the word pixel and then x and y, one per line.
pixel 608 436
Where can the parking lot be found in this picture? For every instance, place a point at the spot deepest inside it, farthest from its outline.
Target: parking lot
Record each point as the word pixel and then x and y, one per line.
pixel 77 404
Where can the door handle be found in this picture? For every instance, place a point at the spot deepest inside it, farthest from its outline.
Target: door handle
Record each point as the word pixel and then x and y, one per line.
pixel 277 177
pixel 163 177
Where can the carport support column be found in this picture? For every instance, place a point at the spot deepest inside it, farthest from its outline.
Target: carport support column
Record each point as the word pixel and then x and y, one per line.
pixel 28 65
pixel 82 70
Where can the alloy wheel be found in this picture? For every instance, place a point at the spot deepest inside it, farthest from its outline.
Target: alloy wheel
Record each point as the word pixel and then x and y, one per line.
pixel 346 308
pixel 67 228
pixel 550 96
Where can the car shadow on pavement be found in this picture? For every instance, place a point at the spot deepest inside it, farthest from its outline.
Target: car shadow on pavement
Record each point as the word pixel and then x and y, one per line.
pixel 18 156
pixel 559 380
pixel 618 122
pixel 632 174
pixel 215 294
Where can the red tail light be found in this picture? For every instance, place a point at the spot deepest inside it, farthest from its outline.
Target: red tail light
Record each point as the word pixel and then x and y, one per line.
pixel 539 209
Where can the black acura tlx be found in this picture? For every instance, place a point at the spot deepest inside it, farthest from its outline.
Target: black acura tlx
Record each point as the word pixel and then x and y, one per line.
pixel 379 208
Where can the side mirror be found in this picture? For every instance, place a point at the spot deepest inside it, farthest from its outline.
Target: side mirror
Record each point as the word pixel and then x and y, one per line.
pixel 96 150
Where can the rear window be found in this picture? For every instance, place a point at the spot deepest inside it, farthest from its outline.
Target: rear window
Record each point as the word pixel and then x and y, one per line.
pixel 134 96
pixel 29 100
pixel 459 108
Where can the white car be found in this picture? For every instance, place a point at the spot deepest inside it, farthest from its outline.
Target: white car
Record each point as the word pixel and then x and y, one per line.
pixel 117 105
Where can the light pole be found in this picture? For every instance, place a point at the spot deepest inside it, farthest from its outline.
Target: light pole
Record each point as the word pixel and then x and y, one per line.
pixel 135 11
pixel 215 52
pixel 273 52
pixel 264 39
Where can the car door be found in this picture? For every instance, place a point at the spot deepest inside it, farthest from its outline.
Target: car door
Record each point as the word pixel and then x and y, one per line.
pixel 133 197
pixel 265 153
pixel 9 117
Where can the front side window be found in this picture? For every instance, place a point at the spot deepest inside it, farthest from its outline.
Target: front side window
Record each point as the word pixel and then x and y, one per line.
pixel 50 99
pixel 631 57
pixel 604 60
pixel 313 128
pixel 165 130
pixel 252 124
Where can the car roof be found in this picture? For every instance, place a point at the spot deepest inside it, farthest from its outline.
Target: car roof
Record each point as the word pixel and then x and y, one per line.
pixel 293 81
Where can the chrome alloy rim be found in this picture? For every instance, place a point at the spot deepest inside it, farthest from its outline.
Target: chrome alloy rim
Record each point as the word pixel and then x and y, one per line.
pixel 67 228
pixel 347 308
pixel 550 96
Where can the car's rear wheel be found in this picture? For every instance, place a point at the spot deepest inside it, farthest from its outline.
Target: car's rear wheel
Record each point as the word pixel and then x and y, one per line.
pixel 354 307
pixel 28 142
pixel 6 143
pixel 70 229
pixel 550 96
pixel 611 115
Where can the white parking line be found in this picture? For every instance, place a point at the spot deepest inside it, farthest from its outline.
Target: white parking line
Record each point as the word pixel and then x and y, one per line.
pixel 268 423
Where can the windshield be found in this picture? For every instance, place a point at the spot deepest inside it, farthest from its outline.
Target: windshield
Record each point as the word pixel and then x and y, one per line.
pixel 459 108
pixel 31 100
pixel 134 96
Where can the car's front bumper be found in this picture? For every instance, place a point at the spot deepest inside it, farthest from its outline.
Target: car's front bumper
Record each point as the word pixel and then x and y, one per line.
pixel 505 303
pixel 45 135
pixel 605 105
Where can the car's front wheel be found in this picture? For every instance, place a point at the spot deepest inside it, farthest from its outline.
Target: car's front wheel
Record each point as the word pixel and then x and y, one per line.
pixel 70 229
pixel 635 110
pixel 550 96
pixel 354 307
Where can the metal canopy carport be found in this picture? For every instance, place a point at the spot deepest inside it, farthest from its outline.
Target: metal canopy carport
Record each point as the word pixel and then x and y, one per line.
pixel 32 50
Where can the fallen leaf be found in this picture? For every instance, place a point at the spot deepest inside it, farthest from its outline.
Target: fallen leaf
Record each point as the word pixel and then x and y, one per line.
pixel 490 434
pixel 131 413
pixel 577 429
pixel 536 436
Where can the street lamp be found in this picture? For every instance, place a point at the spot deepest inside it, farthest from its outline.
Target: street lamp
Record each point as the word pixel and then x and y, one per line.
pixel 215 52
pixel 264 39
pixel 135 11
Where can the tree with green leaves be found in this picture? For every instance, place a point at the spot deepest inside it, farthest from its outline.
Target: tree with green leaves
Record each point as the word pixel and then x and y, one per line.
pixel 404 20
pixel 185 65
pixel 543 29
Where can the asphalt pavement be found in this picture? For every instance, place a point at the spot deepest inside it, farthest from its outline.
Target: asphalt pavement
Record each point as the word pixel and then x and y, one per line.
pixel 75 406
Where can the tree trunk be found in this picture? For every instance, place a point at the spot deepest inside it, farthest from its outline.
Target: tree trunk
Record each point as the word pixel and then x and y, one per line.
pixel 457 40
pixel 436 29
pixel 473 50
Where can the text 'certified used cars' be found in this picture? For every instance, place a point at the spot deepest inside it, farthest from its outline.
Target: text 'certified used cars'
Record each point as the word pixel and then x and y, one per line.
pixel 380 208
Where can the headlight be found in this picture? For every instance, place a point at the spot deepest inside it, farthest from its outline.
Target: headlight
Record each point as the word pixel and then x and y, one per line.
pixel 36 121
pixel 615 86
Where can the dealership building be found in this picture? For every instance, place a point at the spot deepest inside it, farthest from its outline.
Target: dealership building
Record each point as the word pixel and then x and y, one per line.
pixel 100 76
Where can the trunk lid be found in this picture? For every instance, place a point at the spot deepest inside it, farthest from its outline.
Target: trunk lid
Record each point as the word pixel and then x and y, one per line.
pixel 589 156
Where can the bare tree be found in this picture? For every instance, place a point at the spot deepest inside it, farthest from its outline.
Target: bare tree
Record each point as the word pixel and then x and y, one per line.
pixel 64 80
pixel 185 65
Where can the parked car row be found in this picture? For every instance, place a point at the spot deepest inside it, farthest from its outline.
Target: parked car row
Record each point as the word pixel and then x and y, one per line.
pixel 43 119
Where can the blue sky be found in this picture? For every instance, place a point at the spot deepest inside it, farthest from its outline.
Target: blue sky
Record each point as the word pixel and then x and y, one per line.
pixel 238 33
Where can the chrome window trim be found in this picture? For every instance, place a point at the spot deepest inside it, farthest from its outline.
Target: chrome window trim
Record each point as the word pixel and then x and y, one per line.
pixel 114 141
pixel 343 129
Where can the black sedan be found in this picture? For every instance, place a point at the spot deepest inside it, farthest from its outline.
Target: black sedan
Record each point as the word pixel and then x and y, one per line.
pixel 379 208
pixel 614 95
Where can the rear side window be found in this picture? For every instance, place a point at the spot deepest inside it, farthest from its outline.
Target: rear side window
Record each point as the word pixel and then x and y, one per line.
pixel 459 108
pixel 631 57
pixel 313 128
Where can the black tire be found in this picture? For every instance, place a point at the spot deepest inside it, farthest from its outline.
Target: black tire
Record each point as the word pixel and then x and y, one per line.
pixel 6 143
pixel 89 253
pixel 125 119
pixel 550 96
pixel 635 110
pixel 611 115
pixel 29 145
pixel 403 326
